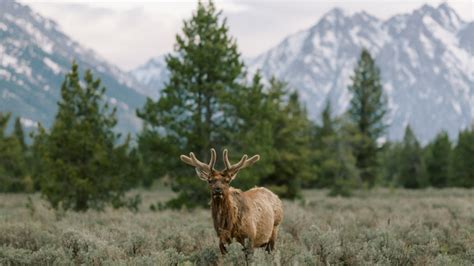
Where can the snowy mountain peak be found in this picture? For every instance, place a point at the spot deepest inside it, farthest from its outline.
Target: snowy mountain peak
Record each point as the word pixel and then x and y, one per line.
pixel 444 15
pixel 35 55
pixel 364 17
pixel 425 56
pixel 334 15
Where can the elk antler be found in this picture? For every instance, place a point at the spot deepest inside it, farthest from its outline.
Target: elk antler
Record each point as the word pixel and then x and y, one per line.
pixel 243 163
pixel 202 168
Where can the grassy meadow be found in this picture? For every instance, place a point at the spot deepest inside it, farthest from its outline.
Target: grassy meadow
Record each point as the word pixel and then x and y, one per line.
pixel 383 227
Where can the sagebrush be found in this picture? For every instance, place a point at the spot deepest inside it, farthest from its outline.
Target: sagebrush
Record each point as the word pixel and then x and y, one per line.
pixel 383 227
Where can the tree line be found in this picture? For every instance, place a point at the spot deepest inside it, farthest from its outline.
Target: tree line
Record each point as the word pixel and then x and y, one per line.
pixel 211 101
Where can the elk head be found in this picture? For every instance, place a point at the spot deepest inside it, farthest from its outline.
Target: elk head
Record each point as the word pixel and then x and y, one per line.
pixel 218 181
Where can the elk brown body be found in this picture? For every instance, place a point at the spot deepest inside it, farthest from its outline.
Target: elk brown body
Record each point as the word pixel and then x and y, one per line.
pixel 251 217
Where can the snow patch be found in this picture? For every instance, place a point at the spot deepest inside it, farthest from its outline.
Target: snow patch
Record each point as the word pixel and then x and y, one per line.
pixel 52 65
pixel 429 49
pixel 456 107
pixel 28 122
pixel 8 60
pixel 41 40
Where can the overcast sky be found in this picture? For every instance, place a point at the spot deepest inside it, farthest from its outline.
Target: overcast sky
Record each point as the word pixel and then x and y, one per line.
pixel 128 32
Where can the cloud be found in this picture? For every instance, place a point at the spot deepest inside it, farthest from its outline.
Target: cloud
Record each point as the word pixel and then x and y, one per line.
pixel 128 33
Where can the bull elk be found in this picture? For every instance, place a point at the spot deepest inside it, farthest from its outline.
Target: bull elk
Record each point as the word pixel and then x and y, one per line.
pixel 251 217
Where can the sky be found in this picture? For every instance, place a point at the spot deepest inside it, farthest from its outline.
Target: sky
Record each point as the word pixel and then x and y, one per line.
pixel 127 33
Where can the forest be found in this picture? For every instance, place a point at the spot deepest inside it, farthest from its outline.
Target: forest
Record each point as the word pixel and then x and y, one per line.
pixel 211 101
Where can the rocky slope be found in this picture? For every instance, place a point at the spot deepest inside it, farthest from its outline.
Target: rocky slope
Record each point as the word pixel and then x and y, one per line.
pixel 34 57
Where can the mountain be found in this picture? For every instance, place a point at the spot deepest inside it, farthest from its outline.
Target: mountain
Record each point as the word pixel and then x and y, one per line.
pixel 426 59
pixel 152 75
pixel 34 57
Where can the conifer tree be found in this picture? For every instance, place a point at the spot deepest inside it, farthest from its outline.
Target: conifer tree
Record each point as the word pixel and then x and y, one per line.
pixel 437 160
pixel 327 127
pixel 251 130
pixel 339 163
pixel 192 112
pixel 462 160
pixel 82 165
pixel 367 110
pixel 322 136
pixel 12 161
pixel 291 133
pixel 389 163
pixel 412 169
pixel 20 135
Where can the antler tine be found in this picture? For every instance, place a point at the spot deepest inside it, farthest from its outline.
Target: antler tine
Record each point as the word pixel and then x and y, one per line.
pixel 251 161
pixel 243 163
pixel 226 159
pixel 199 164
pixel 212 162
pixel 193 161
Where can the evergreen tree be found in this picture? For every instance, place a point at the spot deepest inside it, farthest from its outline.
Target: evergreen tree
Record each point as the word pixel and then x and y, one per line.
pixel 367 110
pixel 322 136
pixel 338 163
pixel 291 133
pixel 437 160
pixel 192 112
pixel 251 131
pixel 462 163
pixel 412 169
pixel 18 132
pixel 12 161
pixel 82 166
pixel 389 163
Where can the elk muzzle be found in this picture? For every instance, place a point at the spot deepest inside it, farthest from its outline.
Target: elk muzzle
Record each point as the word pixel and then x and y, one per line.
pixel 217 192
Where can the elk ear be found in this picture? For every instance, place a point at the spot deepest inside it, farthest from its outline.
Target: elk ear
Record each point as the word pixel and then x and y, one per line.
pixel 202 175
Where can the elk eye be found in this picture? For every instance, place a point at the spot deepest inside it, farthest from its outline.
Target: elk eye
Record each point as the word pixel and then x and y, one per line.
pixel 211 181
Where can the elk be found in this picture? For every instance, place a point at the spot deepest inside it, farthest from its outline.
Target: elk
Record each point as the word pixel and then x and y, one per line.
pixel 251 217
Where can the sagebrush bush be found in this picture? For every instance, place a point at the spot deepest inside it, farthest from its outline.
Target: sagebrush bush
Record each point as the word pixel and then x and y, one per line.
pixel 381 227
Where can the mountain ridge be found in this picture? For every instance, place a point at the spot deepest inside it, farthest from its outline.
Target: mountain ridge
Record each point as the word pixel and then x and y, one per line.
pixel 34 57
pixel 425 56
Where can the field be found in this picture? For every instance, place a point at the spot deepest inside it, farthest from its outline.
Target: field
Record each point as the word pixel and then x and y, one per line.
pixel 384 227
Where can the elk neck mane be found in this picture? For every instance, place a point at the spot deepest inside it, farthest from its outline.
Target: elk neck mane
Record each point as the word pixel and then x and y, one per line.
pixel 228 211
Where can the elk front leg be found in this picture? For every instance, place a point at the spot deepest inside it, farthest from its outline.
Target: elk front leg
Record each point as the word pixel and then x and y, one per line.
pixel 222 247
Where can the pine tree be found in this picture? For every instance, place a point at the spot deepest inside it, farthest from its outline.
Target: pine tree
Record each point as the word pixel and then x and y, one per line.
pixel 192 112
pixel 82 167
pixel 20 135
pixel 462 160
pixel 12 161
pixel 389 163
pixel 251 131
pixel 437 160
pixel 412 169
pixel 339 163
pixel 367 110
pixel 291 133
pixel 323 135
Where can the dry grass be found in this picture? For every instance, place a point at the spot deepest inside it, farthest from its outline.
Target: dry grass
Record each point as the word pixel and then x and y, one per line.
pixel 400 227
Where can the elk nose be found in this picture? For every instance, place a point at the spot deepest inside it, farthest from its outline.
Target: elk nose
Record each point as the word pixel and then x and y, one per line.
pixel 217 190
